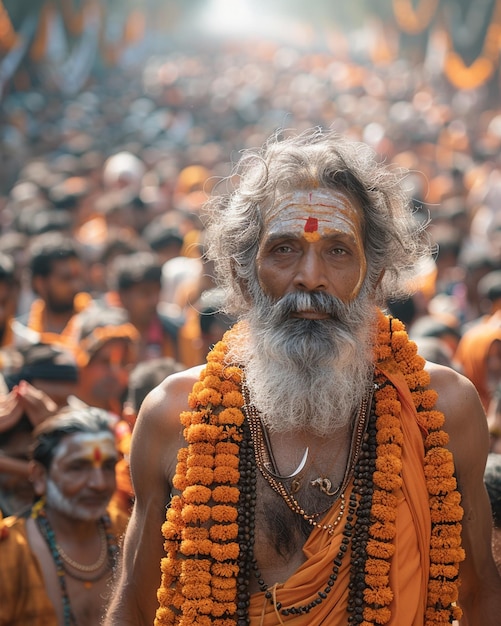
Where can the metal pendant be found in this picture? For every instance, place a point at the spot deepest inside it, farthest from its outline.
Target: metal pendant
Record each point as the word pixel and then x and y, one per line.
pixel 325 486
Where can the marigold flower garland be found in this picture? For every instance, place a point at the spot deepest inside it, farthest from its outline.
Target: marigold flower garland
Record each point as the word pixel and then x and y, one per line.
pixel 199 572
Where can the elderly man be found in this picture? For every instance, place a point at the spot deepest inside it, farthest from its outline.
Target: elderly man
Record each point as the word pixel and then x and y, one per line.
pixel 314 471
pixel 55 566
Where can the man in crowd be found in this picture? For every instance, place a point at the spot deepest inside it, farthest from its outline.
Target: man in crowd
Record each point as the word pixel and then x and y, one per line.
pixel 136 282
pixel 57 280
pixel 106 346
pixel 36 380
pixel 310 474
pixel 56 565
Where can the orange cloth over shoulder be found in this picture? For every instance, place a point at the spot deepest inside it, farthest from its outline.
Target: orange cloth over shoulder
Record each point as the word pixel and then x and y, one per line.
pixel 410 564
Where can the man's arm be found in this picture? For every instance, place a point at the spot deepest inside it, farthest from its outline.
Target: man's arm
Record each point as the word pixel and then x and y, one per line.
pixel 155 441
pixel 465 421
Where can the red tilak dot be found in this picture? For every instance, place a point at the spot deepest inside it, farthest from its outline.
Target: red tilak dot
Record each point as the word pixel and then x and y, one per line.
pixel 97 455
pixel 311 225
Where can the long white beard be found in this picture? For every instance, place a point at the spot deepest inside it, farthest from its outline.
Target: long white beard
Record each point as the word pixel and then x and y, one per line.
pixel 308 374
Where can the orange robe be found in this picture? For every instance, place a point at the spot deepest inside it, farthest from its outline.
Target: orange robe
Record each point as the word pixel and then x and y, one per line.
pixel 410 563
pixel 471 356
pixel 23 599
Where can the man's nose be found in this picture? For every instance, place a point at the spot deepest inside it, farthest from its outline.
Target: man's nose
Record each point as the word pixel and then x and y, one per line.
pixel 310 272
pixel 97 479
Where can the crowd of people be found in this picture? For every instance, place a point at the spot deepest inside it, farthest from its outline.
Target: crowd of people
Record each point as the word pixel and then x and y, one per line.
pixel 106 288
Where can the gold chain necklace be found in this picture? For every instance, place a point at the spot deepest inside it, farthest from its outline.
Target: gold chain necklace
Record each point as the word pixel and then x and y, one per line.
pixel 263 462
pixel 94 566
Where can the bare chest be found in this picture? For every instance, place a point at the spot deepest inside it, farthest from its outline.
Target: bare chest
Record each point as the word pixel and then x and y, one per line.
pixel 86 600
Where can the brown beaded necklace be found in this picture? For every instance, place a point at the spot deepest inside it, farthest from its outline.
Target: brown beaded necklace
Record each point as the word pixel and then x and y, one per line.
pixel 355 532
pixel 263 459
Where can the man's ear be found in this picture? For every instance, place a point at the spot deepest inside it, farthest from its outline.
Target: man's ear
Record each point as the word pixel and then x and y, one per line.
pixel 38 477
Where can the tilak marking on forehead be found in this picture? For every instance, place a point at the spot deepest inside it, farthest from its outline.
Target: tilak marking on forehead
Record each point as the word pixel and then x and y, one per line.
pixel 311 225
pixel 97 455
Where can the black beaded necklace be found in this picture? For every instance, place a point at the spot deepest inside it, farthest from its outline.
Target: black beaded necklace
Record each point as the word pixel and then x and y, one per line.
pixel 47 532
pixel 355 531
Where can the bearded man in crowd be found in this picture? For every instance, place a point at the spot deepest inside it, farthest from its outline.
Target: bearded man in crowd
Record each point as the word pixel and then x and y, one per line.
pixel 315 470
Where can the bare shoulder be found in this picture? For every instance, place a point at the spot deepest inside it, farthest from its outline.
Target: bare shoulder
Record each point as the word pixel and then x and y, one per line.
pixel 157 433
pixel 465 419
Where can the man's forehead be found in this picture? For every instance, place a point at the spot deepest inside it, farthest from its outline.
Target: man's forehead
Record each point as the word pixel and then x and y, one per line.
pixel 315 212
pixel 84 443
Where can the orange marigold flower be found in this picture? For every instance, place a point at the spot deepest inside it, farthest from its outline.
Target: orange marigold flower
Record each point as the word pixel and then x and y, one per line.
pixel 200 475
pixel 201 447
pixel 447 555
pixel 227 386
pixel 226 494
pixel 377 581
pixel 196 494
pixel 439 485
pixel 164 616
pixel 190 547
pixel 231 415
pixel 377 567
pixel 209 396
pixel 202 432
pixel 380 549
pixel 381 596
pixel 196 566
pixel 233 373
pixel 224 513
pixel 223 595
pixel 226 447
pixel 390 449
pixel 222 608
pixel 439 456
pixel 390 408
pixel 213 368
pixel 226 552
pixel 200 460
pixel 196 533
pixel 378 616
pixel 386 481
pixel 388 421
pixel 433 419
pixel 390 435
pixel 196 591
pixel 196 514
pixel 225 570
pixel 384 499
pixel 223 532
pixel 170 567
pixel 436 438
pixel 179 481
pixel 385 531
pixel 447 591
pixel 226 475
pixel 232 399
pixel 228 460
pixel 452 540
pixel 429 399
pixel 216 354
pixel 195 578
pixel 443 570
pixel 211 381
pixel 389 464
pixel 224 582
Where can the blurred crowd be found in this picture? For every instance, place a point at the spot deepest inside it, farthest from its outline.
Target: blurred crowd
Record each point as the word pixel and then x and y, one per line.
pixel 104 289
